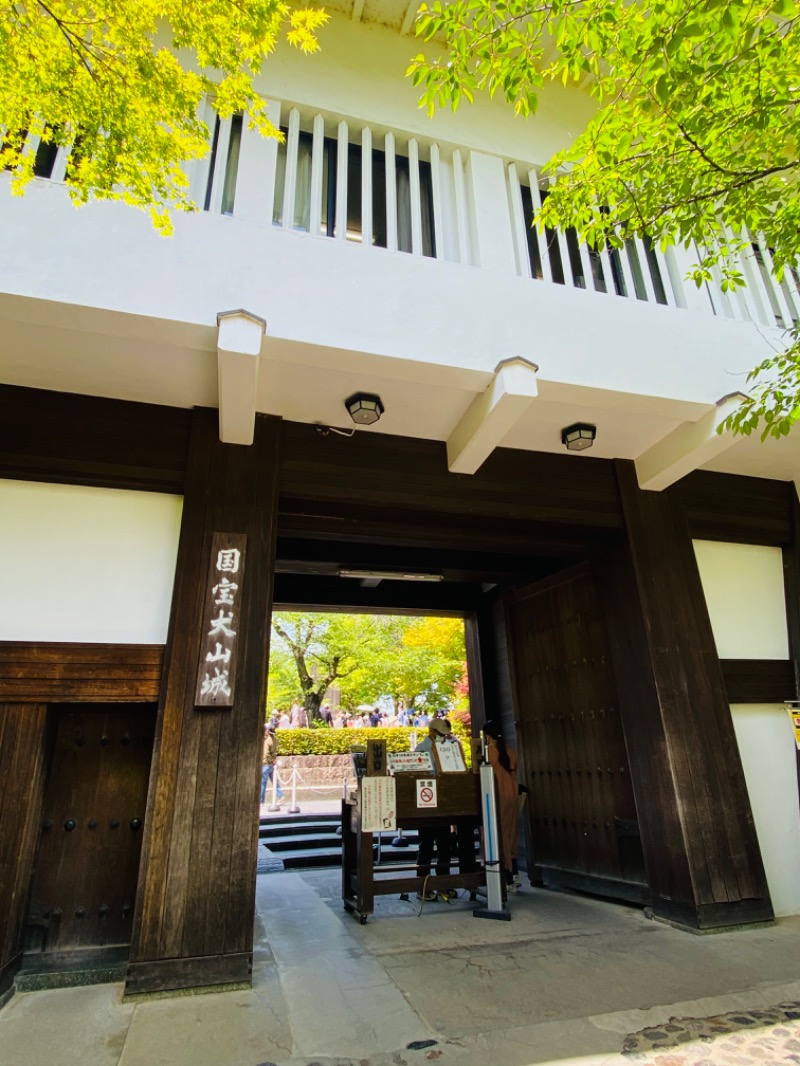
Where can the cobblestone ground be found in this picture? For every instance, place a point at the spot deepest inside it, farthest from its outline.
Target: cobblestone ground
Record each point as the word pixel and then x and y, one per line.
pixel 742 1038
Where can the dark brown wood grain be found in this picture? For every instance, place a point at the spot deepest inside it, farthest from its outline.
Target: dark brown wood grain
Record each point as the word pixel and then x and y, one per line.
pixel 206 971
pixel 759 680
pixel 697 829
pixel 22 756
pixel 34 672
pixel 84 886
pixel 87 440
pixel 197 880
pixel 574 758
pixel 745 510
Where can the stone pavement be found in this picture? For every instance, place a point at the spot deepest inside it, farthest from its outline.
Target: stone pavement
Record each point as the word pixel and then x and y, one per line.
pixel 568 981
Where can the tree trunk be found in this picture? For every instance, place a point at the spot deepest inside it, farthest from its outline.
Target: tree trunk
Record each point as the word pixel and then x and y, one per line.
pixel 313 701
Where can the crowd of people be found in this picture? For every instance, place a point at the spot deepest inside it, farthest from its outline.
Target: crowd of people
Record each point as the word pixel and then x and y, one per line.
pixel 297 718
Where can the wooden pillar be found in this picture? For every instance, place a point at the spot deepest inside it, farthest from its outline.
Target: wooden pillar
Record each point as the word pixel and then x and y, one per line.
pixel 22 750
pixel 193 925
pixel 699 840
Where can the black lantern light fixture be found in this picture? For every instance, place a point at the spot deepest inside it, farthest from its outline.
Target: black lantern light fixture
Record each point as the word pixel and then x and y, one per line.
pixel 578 437
pixel 365 408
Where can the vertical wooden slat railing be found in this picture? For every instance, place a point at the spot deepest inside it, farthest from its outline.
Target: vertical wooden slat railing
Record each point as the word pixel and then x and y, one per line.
pixel 290 181
pixel 464 251
pixel 438 201
pixel 317 153
pixel 391 193
pixel 416 208
pixel 342 144
pixel 366 187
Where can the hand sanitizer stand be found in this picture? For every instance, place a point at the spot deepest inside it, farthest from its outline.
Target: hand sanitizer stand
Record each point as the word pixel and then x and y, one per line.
pixel 495 908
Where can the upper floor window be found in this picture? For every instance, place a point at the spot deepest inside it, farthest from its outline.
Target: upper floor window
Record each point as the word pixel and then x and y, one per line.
pixel 378 235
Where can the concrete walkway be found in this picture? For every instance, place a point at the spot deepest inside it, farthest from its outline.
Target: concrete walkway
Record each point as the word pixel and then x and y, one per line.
pixel 568 980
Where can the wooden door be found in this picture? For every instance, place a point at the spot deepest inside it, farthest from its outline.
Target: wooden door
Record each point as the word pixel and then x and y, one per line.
pixel 583 822
pixel 84 885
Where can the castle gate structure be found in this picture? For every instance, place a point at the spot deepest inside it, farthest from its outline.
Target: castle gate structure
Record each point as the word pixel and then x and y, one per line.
pixel 176 457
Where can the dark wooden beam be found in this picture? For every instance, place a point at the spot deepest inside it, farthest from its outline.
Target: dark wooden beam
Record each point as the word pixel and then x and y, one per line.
pixel 87 440
pixel 700 845
pixel 54 672
pixel 409 474
pixel 759 680
pixel 294 591
pixel 324 558
pixel 193 924
pixel 746 510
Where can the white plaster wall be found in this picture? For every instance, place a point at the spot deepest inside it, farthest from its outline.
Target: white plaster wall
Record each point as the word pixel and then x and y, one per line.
pixel 87 564
pixel 384 306
pixel 743 585
pixel 766 744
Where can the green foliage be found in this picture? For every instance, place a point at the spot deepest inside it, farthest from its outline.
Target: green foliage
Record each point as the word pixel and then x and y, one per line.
pixel 340 741
pixel 694 140
pixel 774 399
pixel 121 85
pixel 417 661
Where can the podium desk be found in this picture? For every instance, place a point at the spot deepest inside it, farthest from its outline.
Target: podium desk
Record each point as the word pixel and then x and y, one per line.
pixel 458 803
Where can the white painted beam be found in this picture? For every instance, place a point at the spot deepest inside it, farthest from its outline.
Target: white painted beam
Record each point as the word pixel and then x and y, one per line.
pixel 358 10
pixel 687 447
pixel 410 17
pixel 238 349
pixel 491 415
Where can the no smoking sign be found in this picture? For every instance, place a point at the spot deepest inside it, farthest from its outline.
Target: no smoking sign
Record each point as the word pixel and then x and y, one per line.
pixel 426 792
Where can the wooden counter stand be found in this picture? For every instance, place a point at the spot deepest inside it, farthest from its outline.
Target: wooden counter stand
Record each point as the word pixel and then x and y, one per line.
pixel 458 798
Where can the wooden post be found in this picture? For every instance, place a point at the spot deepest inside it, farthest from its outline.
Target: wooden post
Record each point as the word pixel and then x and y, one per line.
pixel 193 925
pixel 699 841
pixel 22 751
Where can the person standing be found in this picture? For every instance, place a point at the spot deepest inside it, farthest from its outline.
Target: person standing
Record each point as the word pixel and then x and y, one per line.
pixel 299 717
pixel 268 755
pixel 503 760
pixel 432 837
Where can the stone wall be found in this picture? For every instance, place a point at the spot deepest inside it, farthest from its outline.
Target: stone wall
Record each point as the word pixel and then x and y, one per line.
pixel 319 776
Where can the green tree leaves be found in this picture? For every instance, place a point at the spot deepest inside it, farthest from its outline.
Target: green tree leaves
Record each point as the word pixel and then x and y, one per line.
pixel 420 661
pixel 695 137
pixel 126 81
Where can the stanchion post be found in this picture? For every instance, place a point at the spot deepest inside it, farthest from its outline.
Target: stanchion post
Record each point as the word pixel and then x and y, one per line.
pixel 274 806
pixel 294 809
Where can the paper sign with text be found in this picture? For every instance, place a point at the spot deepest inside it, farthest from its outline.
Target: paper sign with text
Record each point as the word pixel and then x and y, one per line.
pixel 426 792
pixel 410 762
pixel 378 804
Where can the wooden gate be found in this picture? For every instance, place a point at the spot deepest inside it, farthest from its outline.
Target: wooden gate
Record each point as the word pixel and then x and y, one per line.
pixel 84 885
pixel 583 822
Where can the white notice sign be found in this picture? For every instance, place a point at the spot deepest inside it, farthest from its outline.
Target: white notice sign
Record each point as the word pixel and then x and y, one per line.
pixel 426 792
pixel 419 762
pixel 378 804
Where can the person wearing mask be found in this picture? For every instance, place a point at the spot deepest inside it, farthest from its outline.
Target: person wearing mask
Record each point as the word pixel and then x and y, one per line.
pixel 503 760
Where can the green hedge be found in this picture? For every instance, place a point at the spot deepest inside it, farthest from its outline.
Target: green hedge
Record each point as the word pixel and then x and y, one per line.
pixel 339 741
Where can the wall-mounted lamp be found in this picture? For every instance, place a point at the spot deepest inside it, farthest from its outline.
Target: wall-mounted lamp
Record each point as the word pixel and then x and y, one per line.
pixel 578 437
pixel 365 408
